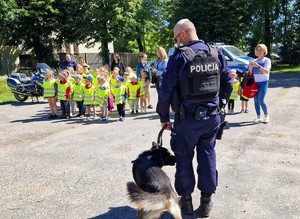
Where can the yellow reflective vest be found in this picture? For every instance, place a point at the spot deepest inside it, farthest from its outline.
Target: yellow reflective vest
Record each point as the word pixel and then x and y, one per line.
pixel 78 91
pixel 133 91
pixel 89 95
pixel 113 82
pixel 234 94
pixel 102 94
pixel 49 88
pixel 62 88
pixel 119 94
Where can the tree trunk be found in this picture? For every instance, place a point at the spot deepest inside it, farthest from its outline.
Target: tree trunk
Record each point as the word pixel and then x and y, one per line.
pixel 104 52
pixel 267 25
pixel 140 44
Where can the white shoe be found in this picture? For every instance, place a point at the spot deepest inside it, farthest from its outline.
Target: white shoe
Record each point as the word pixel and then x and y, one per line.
pixel 257 120
pixel 267 120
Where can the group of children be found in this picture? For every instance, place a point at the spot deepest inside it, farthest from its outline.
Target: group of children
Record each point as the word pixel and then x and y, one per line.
pixel 237 91
pixel 88 90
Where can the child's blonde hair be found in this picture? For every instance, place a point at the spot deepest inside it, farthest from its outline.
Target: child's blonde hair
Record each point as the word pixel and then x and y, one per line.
pixel 49 75
pixel 129 70
pixel 101 77
pixel 116 69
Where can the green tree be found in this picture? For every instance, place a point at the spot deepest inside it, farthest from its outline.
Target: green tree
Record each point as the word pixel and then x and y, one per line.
pixel 36 25
pixel 216 21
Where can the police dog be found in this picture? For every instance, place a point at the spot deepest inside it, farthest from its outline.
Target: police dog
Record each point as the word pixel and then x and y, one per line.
pixel 152 193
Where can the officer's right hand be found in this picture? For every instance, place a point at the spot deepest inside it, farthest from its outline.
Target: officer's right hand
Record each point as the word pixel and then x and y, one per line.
pixel 169 125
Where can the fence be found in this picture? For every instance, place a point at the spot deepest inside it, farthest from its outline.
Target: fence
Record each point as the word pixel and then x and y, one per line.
pixel 27 63
pixel 95 59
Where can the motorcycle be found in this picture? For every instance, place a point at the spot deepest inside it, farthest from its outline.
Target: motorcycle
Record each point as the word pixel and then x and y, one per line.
pixel 24 87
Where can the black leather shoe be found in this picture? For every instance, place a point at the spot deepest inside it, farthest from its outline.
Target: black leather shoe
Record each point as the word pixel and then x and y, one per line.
pixel 186 205
pixel 205 206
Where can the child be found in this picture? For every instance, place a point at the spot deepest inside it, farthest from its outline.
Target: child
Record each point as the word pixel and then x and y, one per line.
pixel 126 78
pixel 234 94
pixel 79 69
pixel 113 77
pixel 78 94
pixel 129 70
pixel 103 93
pixel 64 88
pixel 133 92
pixel 144 84
pixel 244 100
pixel 89 97
pixel 120 95
pixel 71 73
pixel 85 68
pixel 50 87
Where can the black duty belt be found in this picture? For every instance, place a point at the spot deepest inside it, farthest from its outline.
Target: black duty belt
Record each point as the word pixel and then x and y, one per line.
pixel 210 110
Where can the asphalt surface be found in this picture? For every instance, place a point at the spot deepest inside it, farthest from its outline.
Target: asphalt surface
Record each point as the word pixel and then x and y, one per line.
pixel 79 169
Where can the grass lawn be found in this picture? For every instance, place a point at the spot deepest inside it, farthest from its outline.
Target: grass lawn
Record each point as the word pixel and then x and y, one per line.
pixel 285 69
pixel 6 96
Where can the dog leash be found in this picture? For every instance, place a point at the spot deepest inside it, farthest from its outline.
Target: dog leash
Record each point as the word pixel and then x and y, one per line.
pixel 159 137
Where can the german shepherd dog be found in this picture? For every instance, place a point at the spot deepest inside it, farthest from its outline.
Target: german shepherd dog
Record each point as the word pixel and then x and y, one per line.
pixel 152 193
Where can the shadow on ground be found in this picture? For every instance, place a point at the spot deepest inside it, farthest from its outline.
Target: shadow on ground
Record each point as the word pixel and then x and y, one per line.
pixel 122 212
pixel 284 80
pixel 126 212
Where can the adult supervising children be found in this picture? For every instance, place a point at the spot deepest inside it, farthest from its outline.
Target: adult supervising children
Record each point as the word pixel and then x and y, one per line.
pixel 197 120
pixel 261 67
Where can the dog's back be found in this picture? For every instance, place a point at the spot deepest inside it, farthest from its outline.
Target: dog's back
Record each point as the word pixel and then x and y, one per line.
pixel 152 193
pixel 152 205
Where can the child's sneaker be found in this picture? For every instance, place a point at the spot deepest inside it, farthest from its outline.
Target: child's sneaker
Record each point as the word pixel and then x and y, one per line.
pixel 267 120
pixel 136 111
pixel 242 111
pixel 246 111
pixel 104 118
pixel 132 112
pixel 257 120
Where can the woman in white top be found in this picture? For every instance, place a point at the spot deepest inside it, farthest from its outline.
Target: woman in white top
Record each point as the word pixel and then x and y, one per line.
pixel 261 67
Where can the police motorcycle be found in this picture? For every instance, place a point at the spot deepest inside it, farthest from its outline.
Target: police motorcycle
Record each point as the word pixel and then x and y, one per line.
pixel 24 87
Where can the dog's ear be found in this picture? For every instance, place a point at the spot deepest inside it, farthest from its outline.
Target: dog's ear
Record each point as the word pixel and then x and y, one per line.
pixel 171 160
pixel 154 146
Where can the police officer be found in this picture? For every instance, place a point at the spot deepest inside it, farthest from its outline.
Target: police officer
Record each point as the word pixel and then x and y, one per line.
pixel 196 119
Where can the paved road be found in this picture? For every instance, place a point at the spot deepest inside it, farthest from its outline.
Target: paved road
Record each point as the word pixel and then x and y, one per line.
pixel 78 169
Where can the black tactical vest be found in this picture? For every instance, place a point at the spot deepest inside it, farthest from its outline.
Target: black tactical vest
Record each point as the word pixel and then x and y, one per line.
pixel 202 83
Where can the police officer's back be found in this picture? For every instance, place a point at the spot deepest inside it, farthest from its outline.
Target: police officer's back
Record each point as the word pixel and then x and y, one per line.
pixel 194 82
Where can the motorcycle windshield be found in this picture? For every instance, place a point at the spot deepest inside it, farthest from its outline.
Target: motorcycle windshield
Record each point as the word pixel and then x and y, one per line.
pixel 44 66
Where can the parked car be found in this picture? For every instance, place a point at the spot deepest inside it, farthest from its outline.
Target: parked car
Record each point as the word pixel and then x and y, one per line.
pixel 275 58
pixel 235 57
